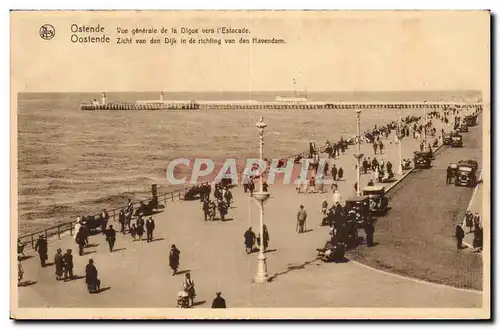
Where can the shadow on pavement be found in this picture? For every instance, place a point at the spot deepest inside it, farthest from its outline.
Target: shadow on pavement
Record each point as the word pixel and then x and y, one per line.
pixel 25 257
pixel 88 252
pixel 182 272
pixel 119 249
pixel 98 291
pixel 292 267
pixel 201 302
pixel 157 239
pixel 26 283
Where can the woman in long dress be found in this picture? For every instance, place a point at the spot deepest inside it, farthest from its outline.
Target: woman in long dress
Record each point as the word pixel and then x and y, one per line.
pixel 173 259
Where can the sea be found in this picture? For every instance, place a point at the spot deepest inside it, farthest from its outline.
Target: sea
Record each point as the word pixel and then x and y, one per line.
pixel 73 163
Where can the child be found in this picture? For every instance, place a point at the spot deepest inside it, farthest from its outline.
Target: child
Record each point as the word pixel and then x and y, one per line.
pixel 133 231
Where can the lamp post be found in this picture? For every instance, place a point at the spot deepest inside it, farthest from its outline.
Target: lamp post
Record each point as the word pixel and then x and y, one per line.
pixel 400 145
pixel 261 198
pixel 358 155
pixel 425 123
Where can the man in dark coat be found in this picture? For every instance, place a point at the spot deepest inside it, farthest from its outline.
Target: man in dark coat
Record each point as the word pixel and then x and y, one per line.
pixel 140 227
pixel 334 172
pixel 121 219
pixel 249 240
pixel 206 209
pixel 80 240
pixel 251 186
pixel 150 226
pixel 68 265
pixel 369 230
pixel 174 258
pixel 340 173
pixel 459 234
pixel 91 279
pixel 449 174
pixel 218 301
pixel 59 264
pixel 110 237
pixel 222 206
pixel 365 166
pixel 228 196
pixel 41 247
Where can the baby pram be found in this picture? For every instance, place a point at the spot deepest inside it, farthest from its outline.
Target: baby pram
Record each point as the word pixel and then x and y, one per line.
pixel 182 299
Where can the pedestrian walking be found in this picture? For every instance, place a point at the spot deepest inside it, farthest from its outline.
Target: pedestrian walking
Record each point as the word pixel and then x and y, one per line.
pixel 140 227
pixel 188 286
pixel 340 173
pixel 133 231
pixel 68 265
pixel 334 172
pixel 20 271
pixel 459 234
pixel 122 220
pixel 42 248
pixel 174 259
pixel 266 238
pixel 218 301
pixel 111 237
pixel 249 240
pixel 80 240
pixel 91 277
pixel 469 220
pixel 301 219
pixel 59 264
pixel 150 226
pixel 369 230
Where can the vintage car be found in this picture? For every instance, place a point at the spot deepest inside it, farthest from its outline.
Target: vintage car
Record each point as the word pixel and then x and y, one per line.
pixel 466 173
pixel 447 139
pixel 361 207
pixel 422 159
pixel 463 128
pixel 471 120
pixel 456 141
pixel 378 201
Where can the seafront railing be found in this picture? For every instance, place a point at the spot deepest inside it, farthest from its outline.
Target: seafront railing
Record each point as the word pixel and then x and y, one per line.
pixel 29 240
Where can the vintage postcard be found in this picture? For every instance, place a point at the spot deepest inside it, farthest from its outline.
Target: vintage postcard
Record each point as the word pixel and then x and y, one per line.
pixel 250 164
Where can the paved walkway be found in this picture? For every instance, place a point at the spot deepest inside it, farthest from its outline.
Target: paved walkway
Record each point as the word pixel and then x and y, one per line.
pixel 137 273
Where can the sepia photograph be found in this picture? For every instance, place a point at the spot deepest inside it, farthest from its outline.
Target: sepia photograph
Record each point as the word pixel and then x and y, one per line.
pixel 250 165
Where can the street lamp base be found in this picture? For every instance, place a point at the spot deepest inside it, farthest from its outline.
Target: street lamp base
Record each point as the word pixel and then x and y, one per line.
pixel 261 276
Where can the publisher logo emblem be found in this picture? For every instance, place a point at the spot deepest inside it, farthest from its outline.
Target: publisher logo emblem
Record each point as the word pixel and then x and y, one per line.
pixel 47 32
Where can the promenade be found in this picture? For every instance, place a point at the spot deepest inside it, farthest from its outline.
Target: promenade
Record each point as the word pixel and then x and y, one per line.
pixel 137 273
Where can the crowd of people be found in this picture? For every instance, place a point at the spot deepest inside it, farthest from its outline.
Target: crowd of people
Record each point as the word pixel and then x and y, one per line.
pixel 221 202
